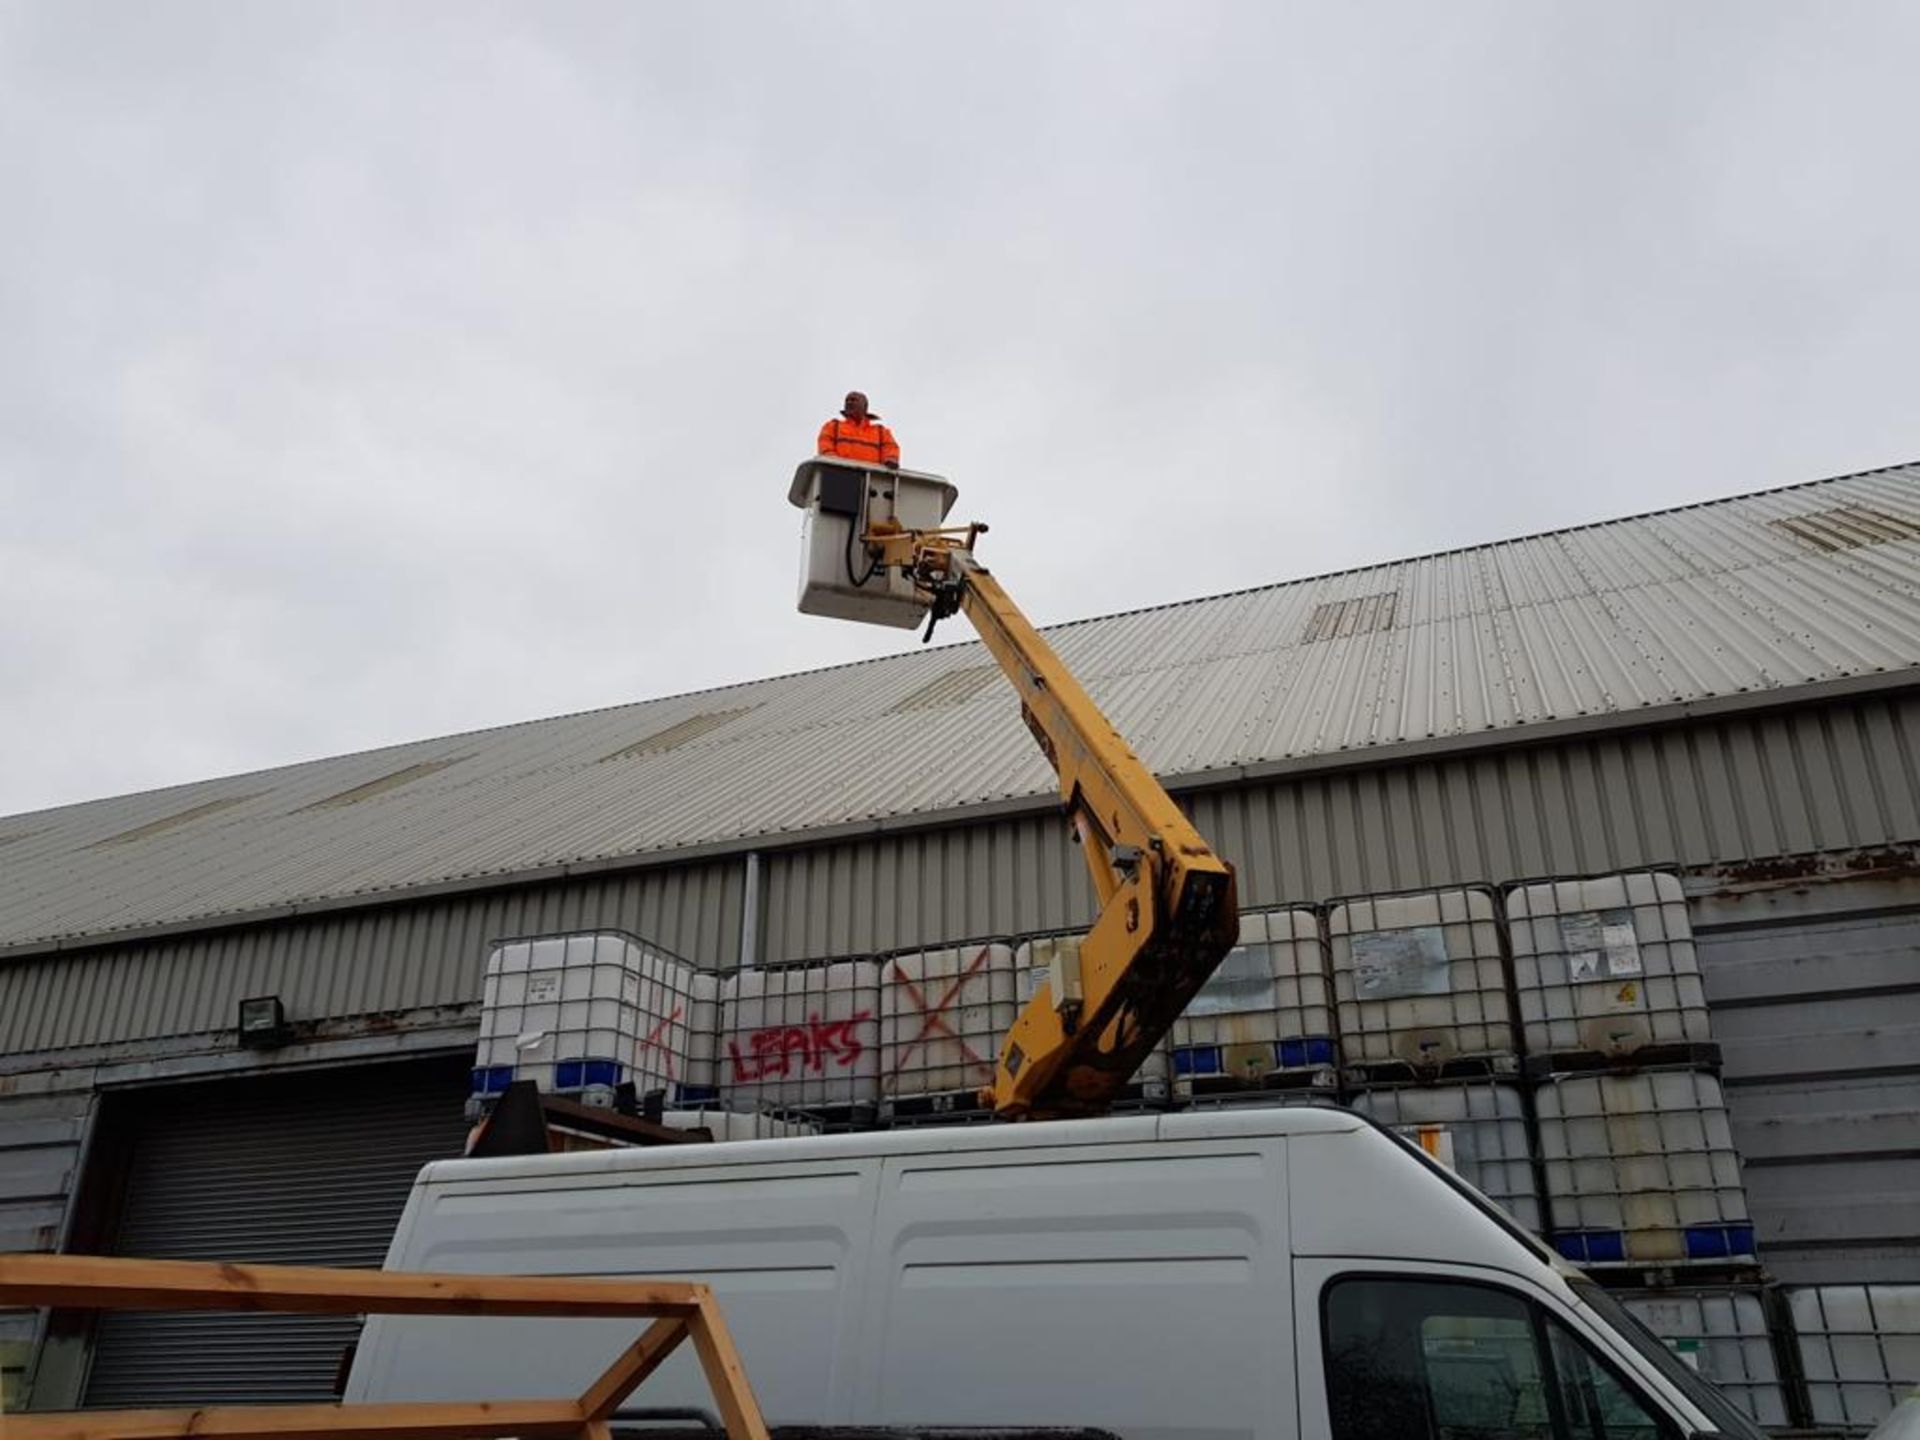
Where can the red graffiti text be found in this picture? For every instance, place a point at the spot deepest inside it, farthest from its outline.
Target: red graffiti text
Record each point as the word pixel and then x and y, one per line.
pixel 783 1050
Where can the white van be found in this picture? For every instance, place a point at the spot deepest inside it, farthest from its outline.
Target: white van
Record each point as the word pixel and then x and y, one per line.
pixel 1277 1273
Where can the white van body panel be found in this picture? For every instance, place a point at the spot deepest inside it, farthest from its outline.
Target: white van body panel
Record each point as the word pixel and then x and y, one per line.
pixel 1355 1192
pixel 1121 1281
pixel 1135 1274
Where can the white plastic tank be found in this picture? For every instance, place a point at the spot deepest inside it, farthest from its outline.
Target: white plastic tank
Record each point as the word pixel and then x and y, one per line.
pixel 1606 966
pixel 943 1017
pixel 801 1036
pixel 1265 1014
pixel 841 499
pixel 699 1081
pixel 583 1013
pixel 1641 1169
pixel 1722 1333
pixel 1419 983
pixel 1859 1349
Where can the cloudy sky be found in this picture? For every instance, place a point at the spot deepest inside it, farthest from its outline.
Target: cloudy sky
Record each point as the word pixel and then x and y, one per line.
pixel 373 372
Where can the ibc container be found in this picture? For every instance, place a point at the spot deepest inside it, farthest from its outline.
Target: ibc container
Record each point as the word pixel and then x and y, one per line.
pixel 699 1083
pixel 1476 1128
pixel 1641 1169
pixel 1605 966
pixel 1266 1013
pixel 943 1014
pixel 1859 1349
pixel 804 1036
pixel 1419 984
pixel 582 1013
pixel 1033 958
pixel 1722 1333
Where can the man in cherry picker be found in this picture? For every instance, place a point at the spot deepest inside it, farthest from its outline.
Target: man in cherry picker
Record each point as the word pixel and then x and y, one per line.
pixel 859 435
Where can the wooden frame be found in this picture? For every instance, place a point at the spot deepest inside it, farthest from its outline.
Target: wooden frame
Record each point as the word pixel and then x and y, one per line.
pixel 679 1312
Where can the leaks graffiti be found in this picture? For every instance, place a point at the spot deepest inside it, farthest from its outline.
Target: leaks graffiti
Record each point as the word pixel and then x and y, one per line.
pixel 779 1051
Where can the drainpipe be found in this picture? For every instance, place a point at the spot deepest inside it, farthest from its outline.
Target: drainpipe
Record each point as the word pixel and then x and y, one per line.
pixel 750 913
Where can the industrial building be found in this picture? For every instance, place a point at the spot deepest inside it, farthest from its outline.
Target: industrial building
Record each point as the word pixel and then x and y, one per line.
pixel 1697 729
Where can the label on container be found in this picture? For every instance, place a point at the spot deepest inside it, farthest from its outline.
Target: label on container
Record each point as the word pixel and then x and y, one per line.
pixel 1242 984
pixel 543 989
pixel 1600 945
pixel 1388 963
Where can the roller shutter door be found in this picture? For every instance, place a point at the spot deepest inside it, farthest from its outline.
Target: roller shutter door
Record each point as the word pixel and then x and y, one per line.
pixel 309 1169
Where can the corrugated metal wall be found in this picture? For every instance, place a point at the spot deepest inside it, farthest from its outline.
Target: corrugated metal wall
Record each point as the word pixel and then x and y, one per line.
pixel 1002 878
pixel 1837 777
pixel 1815 987
pixel 353 963
pixel 41 1129
pixel 43 1123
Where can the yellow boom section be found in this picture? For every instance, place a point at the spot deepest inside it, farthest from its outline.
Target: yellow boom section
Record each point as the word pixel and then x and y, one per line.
pixel 1168 913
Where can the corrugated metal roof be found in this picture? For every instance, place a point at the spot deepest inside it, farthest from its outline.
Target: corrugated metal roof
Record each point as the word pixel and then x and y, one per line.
pixel 1757 596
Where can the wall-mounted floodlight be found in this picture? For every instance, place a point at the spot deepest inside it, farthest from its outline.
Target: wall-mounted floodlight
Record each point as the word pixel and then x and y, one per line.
pixel 263 1023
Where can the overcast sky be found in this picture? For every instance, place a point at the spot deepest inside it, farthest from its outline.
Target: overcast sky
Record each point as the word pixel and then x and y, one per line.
pixel 373 372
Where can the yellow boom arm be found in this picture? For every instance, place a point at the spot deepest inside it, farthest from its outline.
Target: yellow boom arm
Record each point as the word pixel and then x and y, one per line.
pixel 1168 913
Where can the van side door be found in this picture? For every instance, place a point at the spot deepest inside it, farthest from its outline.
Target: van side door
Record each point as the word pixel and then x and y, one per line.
pixel 1137 1288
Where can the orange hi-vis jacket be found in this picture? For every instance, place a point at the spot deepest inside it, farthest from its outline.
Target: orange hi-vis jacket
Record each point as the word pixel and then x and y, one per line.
pixel 871 442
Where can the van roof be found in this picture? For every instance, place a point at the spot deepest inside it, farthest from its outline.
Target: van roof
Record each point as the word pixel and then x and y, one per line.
pixel 916 1140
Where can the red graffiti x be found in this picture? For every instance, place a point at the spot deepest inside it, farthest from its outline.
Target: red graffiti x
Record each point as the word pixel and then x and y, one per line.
pixel 933 1019
pixel 774 1051
pixel 655 1041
